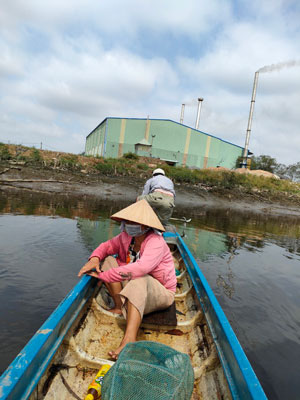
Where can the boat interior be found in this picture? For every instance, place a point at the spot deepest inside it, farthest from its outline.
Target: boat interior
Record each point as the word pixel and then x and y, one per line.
pixel 96 331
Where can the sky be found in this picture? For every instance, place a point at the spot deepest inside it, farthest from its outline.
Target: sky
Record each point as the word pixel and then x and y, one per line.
pixel 67 65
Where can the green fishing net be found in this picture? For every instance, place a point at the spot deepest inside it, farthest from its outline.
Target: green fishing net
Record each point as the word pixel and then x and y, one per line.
pixel 149 370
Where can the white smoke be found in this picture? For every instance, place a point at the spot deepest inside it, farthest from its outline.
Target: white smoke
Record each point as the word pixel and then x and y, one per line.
pixel 279 66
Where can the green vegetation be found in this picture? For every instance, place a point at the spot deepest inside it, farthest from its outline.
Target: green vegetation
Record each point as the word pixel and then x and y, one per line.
pixel 267 163
pixel 264 162
pixel 69 162
pixel 106 167
pixel 231 180
pixel 139 167
pixel 142 166
pixel 131 156
pixel 115 166
pixel 198 177
pixel 4 152
pixel 35 156
pixel 20 157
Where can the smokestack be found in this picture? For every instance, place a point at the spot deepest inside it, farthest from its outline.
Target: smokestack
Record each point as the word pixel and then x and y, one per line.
pixel 198 112
pixel 182 113
pixel 245 155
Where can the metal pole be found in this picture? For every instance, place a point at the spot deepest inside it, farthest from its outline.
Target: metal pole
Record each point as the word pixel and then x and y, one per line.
pixel 198 112
pixel 245 155
pixel 182 113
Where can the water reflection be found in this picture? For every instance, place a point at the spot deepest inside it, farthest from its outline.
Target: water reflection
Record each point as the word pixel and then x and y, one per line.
pixel 95 232
pixel 244 226
pixel 251 263
pixel 31 203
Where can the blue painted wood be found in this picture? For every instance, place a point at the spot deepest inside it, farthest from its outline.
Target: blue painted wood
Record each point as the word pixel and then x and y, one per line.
pixel 241 378
pixel 23 374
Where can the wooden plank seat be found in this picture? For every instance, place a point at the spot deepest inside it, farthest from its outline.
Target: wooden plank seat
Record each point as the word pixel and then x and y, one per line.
pixel 162 317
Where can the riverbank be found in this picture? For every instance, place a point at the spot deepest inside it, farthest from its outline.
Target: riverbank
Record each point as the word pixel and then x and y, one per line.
pixel 191 198
pixel 121 180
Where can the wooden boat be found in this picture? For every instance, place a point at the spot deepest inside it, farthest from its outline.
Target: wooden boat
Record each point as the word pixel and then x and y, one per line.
pixel 64 355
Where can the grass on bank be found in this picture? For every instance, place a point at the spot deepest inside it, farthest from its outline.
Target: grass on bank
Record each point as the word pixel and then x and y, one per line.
pixel 231 180
pixel 132 165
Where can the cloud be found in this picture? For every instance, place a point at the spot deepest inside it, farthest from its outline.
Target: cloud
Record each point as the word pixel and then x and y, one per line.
pixel 116 16
pixel 65 66
pixel 225 76
pixel 81 79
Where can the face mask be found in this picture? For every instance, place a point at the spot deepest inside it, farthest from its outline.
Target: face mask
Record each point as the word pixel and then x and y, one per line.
pixel 135 230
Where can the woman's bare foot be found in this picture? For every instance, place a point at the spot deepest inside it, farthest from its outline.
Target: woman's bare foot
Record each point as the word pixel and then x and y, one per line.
pixel 115 353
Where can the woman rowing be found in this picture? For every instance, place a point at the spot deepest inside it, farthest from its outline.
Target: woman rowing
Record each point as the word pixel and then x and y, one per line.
pixel 141 279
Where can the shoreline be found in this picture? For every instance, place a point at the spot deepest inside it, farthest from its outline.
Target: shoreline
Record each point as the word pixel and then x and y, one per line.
pixel 192 198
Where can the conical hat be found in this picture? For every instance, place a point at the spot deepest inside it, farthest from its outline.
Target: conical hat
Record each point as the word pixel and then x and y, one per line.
pixel 141 213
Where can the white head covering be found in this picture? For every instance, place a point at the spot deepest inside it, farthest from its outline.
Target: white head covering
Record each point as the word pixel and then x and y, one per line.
pixel 158 171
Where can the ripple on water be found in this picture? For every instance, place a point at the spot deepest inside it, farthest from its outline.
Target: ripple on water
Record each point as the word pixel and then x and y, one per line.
pixel 40 258
pixel 252 267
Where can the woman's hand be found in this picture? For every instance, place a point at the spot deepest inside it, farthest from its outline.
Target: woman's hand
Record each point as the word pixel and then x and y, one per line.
pixel 93 274
pixel 89 266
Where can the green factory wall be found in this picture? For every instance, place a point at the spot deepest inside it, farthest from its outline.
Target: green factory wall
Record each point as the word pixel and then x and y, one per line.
pixel 222 153
pixel 196 150
pixel 167 140
pixel 94 143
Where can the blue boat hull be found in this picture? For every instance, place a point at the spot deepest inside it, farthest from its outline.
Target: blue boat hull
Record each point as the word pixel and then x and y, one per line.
pixel 23 375
pixel 241 378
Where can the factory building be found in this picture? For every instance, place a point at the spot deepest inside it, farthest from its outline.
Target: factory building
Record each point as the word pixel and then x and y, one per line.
pixel 170 141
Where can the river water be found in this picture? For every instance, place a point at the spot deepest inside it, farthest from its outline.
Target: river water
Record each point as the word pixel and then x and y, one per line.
pixel 252 264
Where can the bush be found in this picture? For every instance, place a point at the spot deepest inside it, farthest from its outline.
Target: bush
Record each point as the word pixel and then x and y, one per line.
pixel 4 152
pixel 69 162
pixel 142 166
pixel 239 162
pixel 131 156
pixel 35 156
pixel 122 169
pixel 230 179
pixel 22 158
pixel 105 168
pixel 180 174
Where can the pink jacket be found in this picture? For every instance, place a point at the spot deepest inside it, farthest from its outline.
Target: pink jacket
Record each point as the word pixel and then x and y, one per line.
pixel 155 259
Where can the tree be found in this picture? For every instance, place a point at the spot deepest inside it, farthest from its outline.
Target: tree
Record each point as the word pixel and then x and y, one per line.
pixel 293 172
pixel 239 162
pixel 281 171
pixel 264 162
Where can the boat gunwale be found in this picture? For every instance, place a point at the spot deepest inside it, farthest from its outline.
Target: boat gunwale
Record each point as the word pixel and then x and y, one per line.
pixel 33 360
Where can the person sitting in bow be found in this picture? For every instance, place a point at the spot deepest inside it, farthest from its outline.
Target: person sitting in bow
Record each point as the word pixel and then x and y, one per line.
pixel 142 278
pixel 160 194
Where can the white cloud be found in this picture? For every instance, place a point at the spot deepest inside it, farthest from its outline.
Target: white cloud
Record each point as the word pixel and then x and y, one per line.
pixel 116 16
pixel 66 66
pixel 225 77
